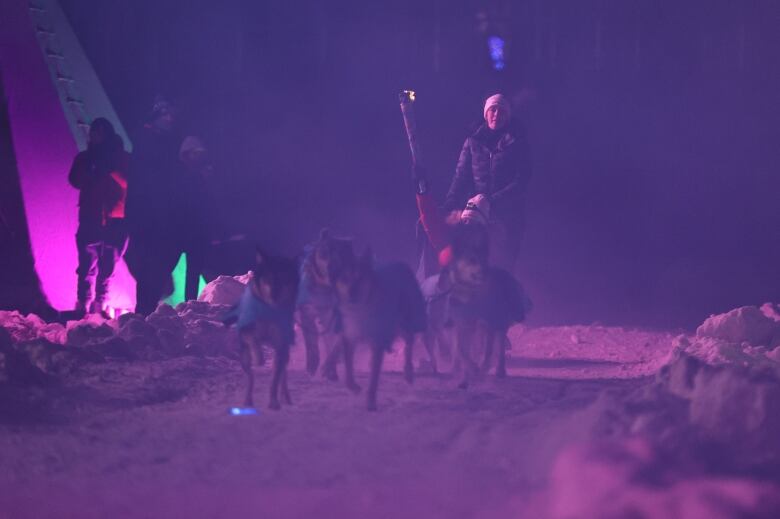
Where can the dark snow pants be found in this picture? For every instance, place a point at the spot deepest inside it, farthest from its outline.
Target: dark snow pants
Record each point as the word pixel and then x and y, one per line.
pixel 99 249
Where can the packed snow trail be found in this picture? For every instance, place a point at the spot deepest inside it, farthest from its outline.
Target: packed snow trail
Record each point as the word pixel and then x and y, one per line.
pixel 130 419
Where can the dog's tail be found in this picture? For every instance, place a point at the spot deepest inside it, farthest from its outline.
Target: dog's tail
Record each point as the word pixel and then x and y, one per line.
pixel 401 300
pixel 514 297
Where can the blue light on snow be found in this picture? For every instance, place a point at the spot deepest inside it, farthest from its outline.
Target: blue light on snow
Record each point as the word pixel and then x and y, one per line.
pixel 496 46
pixel 240 411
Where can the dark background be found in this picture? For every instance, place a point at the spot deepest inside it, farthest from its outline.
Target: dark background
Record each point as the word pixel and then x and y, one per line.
pixel 654 129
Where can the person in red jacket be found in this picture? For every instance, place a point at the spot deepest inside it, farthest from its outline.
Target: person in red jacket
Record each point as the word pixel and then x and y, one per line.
pixel 100 175
pixel 439 228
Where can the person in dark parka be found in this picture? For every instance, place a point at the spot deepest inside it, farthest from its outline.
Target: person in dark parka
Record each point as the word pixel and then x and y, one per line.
pixel 100 175
pixel 155 207
pixel 495 161
pixel 200 215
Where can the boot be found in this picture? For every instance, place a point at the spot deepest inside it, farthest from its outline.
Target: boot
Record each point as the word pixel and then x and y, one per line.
pixel 98 307
pixel 80 310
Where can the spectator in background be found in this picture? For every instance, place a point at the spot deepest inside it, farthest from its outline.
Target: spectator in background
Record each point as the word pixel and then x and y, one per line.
pixel 100 175
pixel 200 219
pixel 156 207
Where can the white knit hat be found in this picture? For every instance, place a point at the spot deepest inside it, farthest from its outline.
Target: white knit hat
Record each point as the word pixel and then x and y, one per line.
pixel 477 210
pixel 497 99
pixel 189 145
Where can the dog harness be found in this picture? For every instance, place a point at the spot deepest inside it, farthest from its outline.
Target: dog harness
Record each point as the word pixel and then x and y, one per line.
pixel 251 309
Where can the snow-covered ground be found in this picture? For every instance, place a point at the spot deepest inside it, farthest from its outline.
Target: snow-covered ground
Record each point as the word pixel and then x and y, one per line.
pixel 129 418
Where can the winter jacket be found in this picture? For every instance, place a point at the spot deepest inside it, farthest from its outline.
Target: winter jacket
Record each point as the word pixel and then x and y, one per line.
pixel 442 236
pixel 436 229
pixel 100 175
pixel 198 209
pixel 497 165
pixel 156 197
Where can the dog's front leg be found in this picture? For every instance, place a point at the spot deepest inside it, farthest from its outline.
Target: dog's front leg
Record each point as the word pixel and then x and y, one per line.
pixel 377 356
pixel 329 366
pixel 444 339
pixel 489 337
pixel 409 358
pixel 349 365
pixel 307 319
pixel 246 365
pixel 505 345
pixel 285 388
pixel 463 338
pixel 280 365
pixel 429 341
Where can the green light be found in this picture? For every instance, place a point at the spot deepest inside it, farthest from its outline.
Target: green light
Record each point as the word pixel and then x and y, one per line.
pixel 179 280
pixel 201 285
pixel 179 276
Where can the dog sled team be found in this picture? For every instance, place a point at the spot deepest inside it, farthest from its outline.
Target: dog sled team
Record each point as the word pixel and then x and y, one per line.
pixel 341 299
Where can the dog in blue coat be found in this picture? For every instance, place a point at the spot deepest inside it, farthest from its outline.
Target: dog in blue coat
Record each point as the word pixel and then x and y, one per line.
pixel 472 305
pixel 377 305
pixel 265 317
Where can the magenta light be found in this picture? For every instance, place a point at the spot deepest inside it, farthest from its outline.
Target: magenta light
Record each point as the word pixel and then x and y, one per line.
pixel 45 148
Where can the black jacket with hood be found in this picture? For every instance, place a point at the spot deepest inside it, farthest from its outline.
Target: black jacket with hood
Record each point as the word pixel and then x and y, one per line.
pixel 498 165
pixel 157 195
pixel 100 174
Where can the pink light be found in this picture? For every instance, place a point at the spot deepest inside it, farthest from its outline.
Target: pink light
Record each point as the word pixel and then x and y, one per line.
pixel 45 149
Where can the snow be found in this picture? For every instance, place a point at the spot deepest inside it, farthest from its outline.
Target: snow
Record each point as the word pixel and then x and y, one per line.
pixel 588 351
pixel 129 418
pixel 629 479
pixel 748 336
pixel 224 290
pixel 750 324
pixel 25 328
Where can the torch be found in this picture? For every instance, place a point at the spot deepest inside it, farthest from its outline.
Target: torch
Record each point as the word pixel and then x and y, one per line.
pixel 406 99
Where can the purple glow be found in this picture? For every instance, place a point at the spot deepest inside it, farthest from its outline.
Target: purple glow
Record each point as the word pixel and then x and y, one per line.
pixel 496 46
pixel 45 149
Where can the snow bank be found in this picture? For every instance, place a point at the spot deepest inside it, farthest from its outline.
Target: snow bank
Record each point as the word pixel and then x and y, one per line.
pixel 225 290
pixel 204 333
pixel 192 328
pixel 88 330
pixel 27 328
pixel 748 324
pixel 748 336
pixel 32 348
pixel 735 407
pixel 713 400
pixel 15 367
pixel 631 478
pixel 723 417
